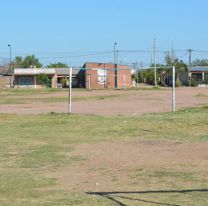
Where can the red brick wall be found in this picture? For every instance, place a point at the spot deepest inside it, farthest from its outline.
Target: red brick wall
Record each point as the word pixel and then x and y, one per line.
pixel 124 78
pixel 92 71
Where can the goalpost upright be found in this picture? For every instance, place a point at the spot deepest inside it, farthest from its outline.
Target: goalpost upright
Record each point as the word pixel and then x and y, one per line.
pixel 173 85
pixel 70 92
pixel 173 91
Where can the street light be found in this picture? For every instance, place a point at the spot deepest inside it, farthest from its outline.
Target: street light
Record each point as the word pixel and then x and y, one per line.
pixel 116 69
pixel 115 61
pixel 10 65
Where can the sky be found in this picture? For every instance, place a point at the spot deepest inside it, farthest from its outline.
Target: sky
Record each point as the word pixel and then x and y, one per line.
pixel 58 30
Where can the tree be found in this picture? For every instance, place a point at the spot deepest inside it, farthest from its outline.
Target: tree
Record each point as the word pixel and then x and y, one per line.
pixel 165 71
pixel 44 80
pixel 18 61
pixel 200 62
pixel 206 78
pixel 57 65
pixel 181 68
pixel 140 76
pixel 27 62
pixel 148 76
pixel 168 60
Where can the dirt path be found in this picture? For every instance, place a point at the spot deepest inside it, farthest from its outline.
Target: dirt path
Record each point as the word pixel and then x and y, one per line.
pixel 128 165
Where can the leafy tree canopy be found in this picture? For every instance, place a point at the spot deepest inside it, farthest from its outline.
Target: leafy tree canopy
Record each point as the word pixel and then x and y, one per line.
pixel 27 62
pixel 57 65
pixel 200 62
pixel 44 80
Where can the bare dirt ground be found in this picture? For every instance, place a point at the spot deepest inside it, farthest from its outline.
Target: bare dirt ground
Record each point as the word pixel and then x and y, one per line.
pixel 120 102
pixel 131 165
pixel 125 165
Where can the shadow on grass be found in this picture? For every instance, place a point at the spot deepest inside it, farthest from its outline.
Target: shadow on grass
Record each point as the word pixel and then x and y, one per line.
pixel 119 194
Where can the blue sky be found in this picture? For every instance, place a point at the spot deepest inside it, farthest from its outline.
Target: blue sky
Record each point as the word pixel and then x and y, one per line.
pixel 61 28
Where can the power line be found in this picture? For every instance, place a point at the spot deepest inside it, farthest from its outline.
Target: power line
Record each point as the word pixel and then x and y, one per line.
pixel 75 56
pixel 155 69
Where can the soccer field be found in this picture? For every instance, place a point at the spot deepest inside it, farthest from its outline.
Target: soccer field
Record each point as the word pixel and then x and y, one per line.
pixel 149 159
pixel 101 102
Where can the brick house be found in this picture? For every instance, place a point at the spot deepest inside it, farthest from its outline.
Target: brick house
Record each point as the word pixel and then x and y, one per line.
pixel 104 75
pixel 91 75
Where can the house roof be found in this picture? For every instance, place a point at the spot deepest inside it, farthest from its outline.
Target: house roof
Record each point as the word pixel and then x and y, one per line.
pixel 37 71
pixel 65 71
pixel 199 69
pixel 97 65
pixel 33 71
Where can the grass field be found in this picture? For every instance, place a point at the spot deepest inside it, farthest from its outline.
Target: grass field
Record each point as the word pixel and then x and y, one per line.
pixel 40 156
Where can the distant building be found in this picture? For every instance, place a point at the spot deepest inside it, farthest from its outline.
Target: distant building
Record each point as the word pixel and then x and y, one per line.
pixel 103 75
pixel 28 77
pixel 63 73
pixel 3 70
pixel 199 73
pixel 5 77
pixel 91 75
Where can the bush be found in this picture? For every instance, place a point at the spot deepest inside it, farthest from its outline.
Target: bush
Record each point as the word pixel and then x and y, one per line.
pixel 139 77
pixel 178 83
pixel 64 82
pixel 149 76
pixel 44 80
pixel 194 82
pixel 206 78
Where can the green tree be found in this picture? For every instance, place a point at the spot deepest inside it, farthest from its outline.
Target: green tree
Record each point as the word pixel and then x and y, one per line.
pixel 140 76
pixel 166 69
pixel 168 60
pixel 57 65
pixel 64 82
pixel 200 62
pixel 18 61
pixel 27 62
pixel 148 76
pixel 181 68
pixel 206 78
pixel 44 80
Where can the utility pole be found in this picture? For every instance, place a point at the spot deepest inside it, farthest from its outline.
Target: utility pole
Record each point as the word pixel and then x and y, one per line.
pixel 10 65
pixel 189 70
pixel 115 55
pixel 142 79
pixel 116 65
pixel 117 60
pixel 151 59
pixel 172 56
pixel 155 65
